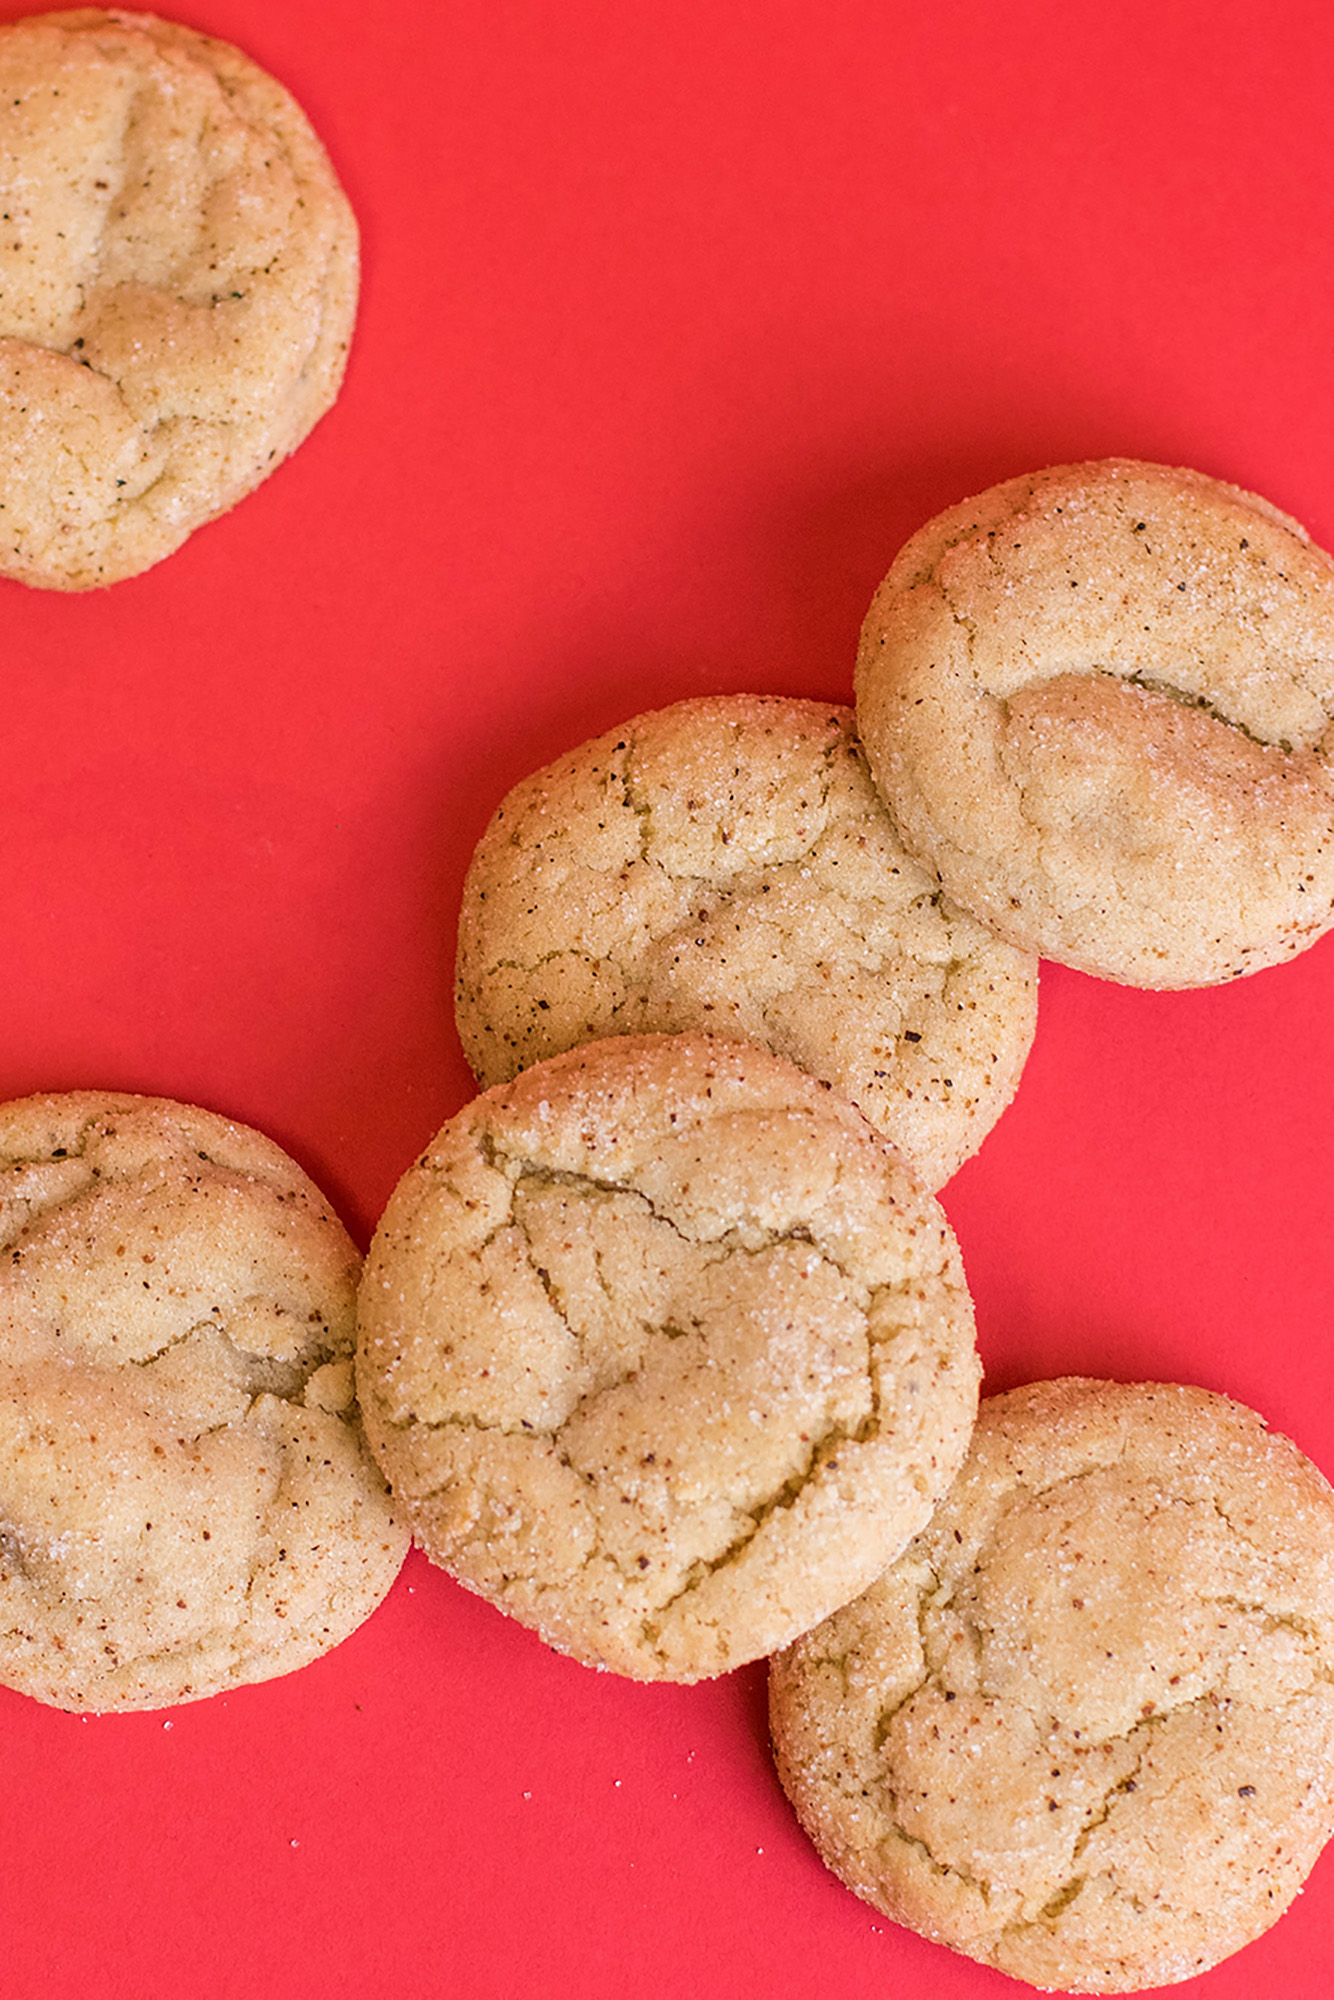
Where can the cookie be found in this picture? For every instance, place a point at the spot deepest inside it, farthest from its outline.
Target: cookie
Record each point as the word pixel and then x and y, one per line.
pixel 186 1502
pixel 1083 1730
pixel 725 866
pixel 178 282
pixel 665 1352
pixel 1098 701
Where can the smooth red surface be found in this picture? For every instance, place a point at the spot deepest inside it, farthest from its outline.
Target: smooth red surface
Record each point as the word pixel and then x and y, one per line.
pixel 676 320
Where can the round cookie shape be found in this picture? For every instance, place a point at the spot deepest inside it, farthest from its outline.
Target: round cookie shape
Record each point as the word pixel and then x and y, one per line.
pixel 1098 701
pixel 1083 1730
pixel 725 866
pixel 178 284
pixel 186 1501
pixel 665 1352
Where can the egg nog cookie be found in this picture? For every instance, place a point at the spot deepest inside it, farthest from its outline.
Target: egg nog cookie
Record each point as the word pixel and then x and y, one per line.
pixel 178 282
pixel 725 866
pixel 1098 700
pixel 662 1347
pixel 186 1502
pixel 1083 1730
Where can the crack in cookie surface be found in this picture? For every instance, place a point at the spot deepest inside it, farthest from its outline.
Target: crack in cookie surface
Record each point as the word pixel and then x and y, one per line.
pixel 1059 1708
pixel 708 1323
pixel 1111 745
pixel 182 1470
pixel 725 866
pixel 179 276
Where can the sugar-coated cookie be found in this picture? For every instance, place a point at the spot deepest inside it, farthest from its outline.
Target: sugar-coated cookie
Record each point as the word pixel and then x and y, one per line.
pixel 178 282
pixel 665 1351
pixel 1098 700
pixel 186 1502
pixel 1083 1730
pixel 725 866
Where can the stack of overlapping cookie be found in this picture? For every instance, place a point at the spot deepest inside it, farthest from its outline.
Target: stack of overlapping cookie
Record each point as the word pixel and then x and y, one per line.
pixel 664 1344
pixel 1083 1729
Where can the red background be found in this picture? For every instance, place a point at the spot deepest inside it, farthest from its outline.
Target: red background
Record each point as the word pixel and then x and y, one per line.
pixel 676 320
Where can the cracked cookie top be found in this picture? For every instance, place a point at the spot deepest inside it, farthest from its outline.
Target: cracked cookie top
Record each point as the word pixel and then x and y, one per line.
pixel 1083 1730
pixel 665 1352
pixel 178 282
pixel 725 866
pixel 1098 700
pixel 186 1502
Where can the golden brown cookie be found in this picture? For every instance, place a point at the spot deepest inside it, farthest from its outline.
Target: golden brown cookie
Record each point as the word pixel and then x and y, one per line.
pixel 178 283
pixel 664 1350
pixel 1098 700
pixel 186 1502
pixel 725 866
pixel 1083 1730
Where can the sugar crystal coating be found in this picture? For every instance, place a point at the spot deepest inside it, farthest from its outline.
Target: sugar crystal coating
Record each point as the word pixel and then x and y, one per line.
pixel 186 1503
pixel 178 283
pixel 1083 1730
pixel 1098 701
pixel 663 1349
